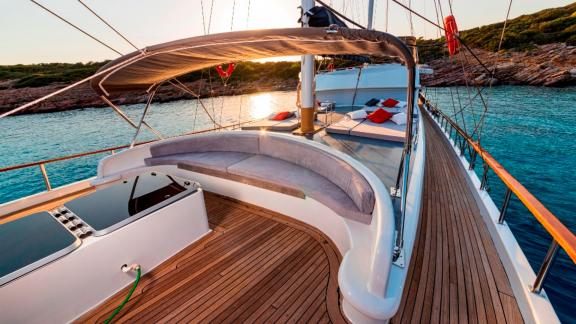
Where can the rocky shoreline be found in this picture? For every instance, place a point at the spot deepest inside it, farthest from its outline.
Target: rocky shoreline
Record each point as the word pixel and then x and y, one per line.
pixel 551 65
pixel 84 97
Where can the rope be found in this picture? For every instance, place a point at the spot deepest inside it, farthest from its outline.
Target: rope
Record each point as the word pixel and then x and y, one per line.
pixel 76 27
pixel 107 24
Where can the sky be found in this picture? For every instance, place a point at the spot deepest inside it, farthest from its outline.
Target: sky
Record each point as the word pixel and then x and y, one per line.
pixel 30 35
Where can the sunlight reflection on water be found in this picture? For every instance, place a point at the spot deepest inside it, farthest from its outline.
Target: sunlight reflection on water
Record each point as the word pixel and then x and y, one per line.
pixel 261 105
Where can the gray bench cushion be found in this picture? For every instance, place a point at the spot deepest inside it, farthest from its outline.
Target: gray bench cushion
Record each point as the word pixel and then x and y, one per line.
pixel 210 160
pixel 224 142
pixel 328 166
pixel 314 185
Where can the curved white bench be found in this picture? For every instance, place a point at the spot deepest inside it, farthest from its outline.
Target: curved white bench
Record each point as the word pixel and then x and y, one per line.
pixel 341 197
pixel 274 163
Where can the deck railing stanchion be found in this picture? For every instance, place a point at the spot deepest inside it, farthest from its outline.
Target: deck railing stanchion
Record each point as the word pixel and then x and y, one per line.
pixel 473 160
pixel 45 176
pixel 504 206
pixel 545 267
pixel 484 177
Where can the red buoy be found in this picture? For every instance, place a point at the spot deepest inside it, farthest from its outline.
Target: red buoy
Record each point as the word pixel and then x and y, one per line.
pixel 228 72
pixel 451 35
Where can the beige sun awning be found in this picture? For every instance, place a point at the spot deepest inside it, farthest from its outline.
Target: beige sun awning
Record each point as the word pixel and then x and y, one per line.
pixel 155 64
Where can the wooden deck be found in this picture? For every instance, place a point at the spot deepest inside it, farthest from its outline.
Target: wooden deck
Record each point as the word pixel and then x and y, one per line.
pixel 260 266
pixel 455 274
pixel 256 266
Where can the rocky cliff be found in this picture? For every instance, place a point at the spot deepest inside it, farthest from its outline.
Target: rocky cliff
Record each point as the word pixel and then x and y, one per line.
pixel 548 65
pixel 545 65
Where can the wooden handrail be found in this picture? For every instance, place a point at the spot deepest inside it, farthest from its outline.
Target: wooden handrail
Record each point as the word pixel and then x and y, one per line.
pixel 559 232
pixel 104 150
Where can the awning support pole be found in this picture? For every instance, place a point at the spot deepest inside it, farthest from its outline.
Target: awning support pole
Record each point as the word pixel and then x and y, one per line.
pixel 370 14
pixel 150 97
pixel 128 120
pixel 307 80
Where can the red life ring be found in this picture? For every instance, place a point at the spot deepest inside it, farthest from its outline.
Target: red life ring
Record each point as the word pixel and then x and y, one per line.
pixel 228 72
pixel 451 35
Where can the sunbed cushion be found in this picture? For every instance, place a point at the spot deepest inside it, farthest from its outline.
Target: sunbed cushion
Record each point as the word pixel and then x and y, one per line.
pixel 210 160
pixel 343 126
pixel 314 185
pixel 386 131
pixel 332 168
pixel 224 142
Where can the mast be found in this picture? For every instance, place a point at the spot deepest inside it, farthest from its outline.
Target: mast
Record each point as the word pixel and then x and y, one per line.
pixel 370 14
pixel 307 80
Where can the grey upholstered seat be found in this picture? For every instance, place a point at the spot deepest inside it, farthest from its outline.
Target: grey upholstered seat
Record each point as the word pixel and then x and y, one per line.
pixel 209 142
pixel 219 161
pixel 325 164
pixel 268 169
pixel 276 162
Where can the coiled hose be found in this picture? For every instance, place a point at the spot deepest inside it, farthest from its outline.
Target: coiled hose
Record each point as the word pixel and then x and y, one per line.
pixel 119 308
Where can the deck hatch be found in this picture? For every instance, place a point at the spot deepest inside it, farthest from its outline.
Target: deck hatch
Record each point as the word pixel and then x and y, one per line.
pixel 112 207
pixel 31 242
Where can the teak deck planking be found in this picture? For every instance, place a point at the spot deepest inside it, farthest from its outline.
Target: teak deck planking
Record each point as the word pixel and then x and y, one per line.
pixel 455 274
pixel 256 266
pixel 259 266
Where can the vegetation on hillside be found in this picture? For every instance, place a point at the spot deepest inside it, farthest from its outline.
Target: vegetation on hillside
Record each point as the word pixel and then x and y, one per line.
pixel 522 33
pixel 37 75
pixel 556 25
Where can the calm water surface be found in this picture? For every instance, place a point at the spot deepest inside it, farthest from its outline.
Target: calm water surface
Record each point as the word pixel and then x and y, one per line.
pixel 531 131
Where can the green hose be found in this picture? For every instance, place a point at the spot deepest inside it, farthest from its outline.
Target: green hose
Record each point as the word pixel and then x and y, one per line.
pixel 119 308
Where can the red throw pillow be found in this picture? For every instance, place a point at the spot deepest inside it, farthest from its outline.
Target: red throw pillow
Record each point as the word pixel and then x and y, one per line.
pixel 379 116
pixel 281 115
pixel 390 103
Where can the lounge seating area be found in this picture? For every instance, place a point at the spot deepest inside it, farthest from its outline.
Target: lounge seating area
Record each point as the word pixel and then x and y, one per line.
pixel 387 131
pixel 379 119
pixel 273 162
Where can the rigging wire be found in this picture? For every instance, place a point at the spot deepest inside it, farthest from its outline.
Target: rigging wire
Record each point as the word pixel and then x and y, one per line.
pixel 247 15
pixel 232 20
pixel 410 18
pixel 76 27
pixel 184 88
pixel 491 81
pixel 387 14
pixel 340 15
pixel 442 28
pixel 110 26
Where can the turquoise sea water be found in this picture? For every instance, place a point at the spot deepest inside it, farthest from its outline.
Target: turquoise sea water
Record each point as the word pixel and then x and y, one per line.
pixel 530 130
